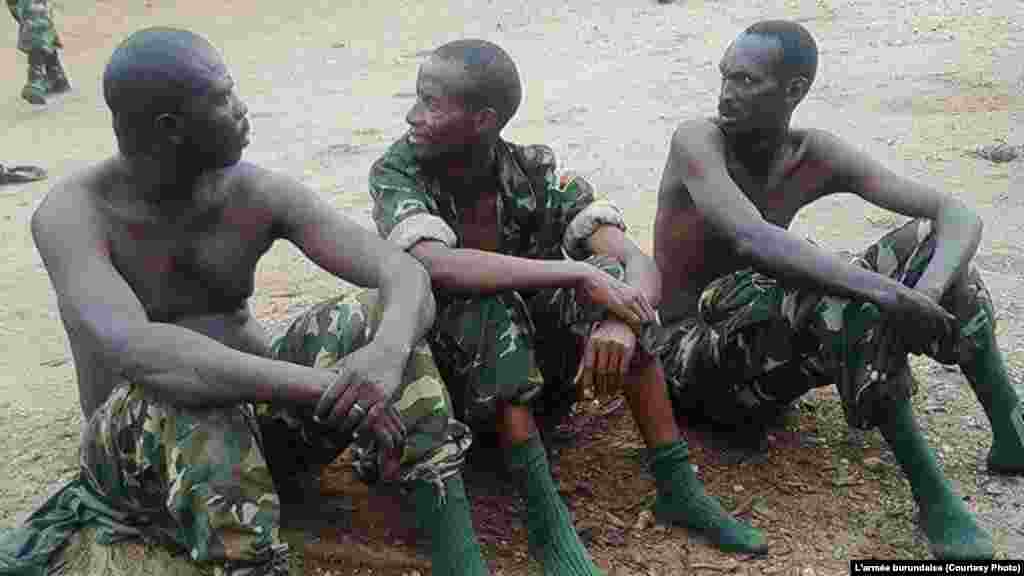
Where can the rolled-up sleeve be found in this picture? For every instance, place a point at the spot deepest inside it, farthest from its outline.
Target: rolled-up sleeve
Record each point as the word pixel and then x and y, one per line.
pixel 403 211
pixel 583 213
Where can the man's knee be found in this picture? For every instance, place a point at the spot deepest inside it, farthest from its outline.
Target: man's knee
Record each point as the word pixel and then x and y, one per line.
pixel 330 330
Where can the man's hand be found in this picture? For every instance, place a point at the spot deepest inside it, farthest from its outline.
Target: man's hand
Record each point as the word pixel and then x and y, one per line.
pixel 606 358
pixel 360 398
pixel 921 319
pixel 622 300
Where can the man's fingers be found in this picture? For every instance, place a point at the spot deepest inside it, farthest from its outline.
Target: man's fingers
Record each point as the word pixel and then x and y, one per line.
pixel 399 423
pixel 625 360
pixel 346 416
pixel 373 423
pixel 330 396
pixel 646 311
pixel 587 365
pixel 326 404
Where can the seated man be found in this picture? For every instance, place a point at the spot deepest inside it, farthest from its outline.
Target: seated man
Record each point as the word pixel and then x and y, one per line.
pixel 755 315
pixel 525 269
pixel 152 254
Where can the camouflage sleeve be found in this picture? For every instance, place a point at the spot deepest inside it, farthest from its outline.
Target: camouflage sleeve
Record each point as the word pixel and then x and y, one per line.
pixel 594 214
pixel 12 5
pixel 402 210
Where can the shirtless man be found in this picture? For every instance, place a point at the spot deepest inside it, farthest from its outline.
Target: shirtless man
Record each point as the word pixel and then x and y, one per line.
pixel 531 274
pixel 756 315
pixel 152 255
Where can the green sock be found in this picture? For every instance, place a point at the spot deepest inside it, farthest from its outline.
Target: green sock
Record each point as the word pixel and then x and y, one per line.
pixel 986 372
pixel 552 536
pixel 454 550
pixel 682 500
pixel 949 526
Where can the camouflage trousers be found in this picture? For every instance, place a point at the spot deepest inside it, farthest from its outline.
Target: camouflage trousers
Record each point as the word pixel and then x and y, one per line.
pixel 756 345
pixel 36 31
pixel 201 478
pixel 517 347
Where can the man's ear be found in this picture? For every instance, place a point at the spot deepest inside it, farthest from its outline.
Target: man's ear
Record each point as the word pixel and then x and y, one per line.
pixel 169 127
pixel 486 121
pixel 797 89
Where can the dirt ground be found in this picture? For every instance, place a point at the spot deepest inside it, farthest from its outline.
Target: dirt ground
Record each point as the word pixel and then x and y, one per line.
pixel 916 83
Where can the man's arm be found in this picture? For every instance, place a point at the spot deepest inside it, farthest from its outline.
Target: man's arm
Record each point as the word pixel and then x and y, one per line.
pixel 697 163
pixel 344 248
pixel 641 271
pixel 482 272
pixel 406 216
pixel 174 363
pixel 957 227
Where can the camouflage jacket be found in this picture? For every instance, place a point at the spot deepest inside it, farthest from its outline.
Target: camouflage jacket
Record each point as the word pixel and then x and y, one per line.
pixel 541 216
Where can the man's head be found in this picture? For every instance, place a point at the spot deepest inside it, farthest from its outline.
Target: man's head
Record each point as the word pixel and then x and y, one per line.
pixel 766 72
pixel 465 94
pixel 171 95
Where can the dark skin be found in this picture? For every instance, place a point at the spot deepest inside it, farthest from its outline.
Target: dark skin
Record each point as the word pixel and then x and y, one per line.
pixel 731 188
pixel 459 142
pixel 153 258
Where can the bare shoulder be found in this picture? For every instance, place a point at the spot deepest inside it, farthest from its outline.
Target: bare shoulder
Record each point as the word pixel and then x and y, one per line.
pixel 71 213
pixel 697 145
pixel 696 133
pixel 828 146
pixel 275 194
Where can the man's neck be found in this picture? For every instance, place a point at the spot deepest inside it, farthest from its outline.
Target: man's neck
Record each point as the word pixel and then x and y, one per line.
pixel 164 186
pixel 473 167
pixel 759 151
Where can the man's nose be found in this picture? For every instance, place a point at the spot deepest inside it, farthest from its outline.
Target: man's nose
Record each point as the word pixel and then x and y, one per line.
pixel 414 117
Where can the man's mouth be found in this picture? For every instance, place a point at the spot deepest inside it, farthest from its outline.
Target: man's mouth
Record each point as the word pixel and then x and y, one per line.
pixel 415 139
pixel 728 115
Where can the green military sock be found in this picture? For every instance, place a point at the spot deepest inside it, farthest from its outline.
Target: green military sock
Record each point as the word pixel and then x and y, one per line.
pixel 951 530
pixel 454 550
pixel 682 500
pixel 986 372
pixel 552 536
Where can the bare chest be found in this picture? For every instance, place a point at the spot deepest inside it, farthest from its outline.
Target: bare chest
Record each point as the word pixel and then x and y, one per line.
pixel 205 267
pixel 780 195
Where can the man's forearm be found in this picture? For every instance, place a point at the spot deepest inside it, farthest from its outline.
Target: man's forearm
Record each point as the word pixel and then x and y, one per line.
pixel 642 273
pixel 187 368
pixel 796 261
pixel 958 233
pixel 408 305
pixel 480 272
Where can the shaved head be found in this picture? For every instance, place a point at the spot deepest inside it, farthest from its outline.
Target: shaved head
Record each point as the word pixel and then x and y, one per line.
pixel 172 97
pixel 489 78
pixel 799 52
pixel 156 70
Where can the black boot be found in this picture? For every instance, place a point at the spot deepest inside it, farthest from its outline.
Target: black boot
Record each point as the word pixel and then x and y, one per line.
pixel 58 81
pixel 36 87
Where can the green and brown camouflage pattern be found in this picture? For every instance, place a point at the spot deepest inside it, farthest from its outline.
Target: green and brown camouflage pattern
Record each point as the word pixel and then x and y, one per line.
pixel 200 477
pixel 36 31
pixel 503 346
pixel 755 345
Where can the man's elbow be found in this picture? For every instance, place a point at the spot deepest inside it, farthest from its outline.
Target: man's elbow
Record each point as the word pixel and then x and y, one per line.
pixel 118 343
pixel 748 243
pixel 968 217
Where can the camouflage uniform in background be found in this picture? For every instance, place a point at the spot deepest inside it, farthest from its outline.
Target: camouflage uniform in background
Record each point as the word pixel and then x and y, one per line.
pixel 504 346
pixel 756 345
pixel 199 478
pixel 37 37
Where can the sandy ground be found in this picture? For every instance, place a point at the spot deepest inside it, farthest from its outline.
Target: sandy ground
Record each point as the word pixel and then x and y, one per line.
pixel 915 83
